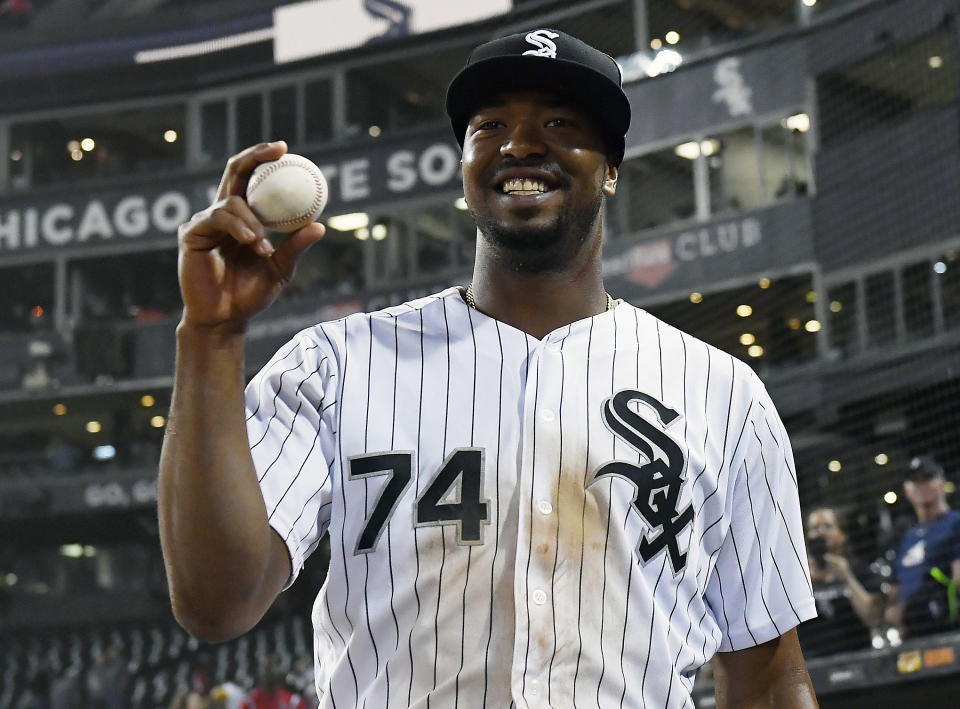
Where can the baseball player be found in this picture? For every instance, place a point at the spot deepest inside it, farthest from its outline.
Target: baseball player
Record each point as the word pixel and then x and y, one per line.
pixel 536 495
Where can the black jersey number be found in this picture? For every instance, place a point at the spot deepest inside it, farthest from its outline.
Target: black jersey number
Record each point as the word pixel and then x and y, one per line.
pixel 452 497
pixel 398 465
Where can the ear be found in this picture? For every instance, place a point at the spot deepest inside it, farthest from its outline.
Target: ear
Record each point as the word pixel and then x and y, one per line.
pixel 610 180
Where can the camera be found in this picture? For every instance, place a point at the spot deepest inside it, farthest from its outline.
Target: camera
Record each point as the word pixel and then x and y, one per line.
pixel 817 548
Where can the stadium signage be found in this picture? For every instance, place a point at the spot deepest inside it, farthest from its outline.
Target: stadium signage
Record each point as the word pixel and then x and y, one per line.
pixel 706 96
pixel 65 223
pixel 120 495
pixel 713 252
pixel 98 218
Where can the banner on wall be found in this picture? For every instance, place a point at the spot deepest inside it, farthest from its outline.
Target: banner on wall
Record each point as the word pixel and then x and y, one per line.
pixel 309 29
pixel 92 219
pixel 694 256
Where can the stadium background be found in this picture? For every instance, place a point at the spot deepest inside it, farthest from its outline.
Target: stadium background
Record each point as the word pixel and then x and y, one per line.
pixel 789 194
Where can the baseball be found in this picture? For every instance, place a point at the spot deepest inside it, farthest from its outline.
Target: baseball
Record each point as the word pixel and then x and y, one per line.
pixel 288 193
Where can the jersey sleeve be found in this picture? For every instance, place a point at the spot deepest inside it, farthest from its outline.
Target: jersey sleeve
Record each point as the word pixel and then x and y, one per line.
pixel 291 424
pixel 760 586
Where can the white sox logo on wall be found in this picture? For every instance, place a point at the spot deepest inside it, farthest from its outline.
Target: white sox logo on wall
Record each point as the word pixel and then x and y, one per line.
pixel 658 482
pixel 544 40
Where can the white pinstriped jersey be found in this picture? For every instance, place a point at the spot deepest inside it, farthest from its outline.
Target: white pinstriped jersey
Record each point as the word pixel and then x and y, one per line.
pixel 578 521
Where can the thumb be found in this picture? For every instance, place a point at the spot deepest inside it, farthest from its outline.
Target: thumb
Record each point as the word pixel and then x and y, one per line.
pixel 292 248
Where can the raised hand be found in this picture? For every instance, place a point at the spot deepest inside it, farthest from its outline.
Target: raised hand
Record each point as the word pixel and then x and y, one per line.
pixel 228 269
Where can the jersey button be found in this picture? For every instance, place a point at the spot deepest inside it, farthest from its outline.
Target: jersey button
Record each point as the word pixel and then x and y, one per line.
pixel 545 507
pixel 539 597
pixel 547 415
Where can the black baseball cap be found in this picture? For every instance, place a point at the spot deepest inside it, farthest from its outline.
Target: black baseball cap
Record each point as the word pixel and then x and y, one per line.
pixel 922 468
pixel 547 60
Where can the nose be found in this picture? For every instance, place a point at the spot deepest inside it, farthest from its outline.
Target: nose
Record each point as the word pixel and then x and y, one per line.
pixel 523 140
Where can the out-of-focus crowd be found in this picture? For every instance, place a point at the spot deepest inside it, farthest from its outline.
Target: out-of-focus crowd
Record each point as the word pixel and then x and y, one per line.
pixel 863 603
pixel 107 685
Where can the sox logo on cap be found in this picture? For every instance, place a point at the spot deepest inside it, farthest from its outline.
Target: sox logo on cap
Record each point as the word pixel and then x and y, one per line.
pixel 544 40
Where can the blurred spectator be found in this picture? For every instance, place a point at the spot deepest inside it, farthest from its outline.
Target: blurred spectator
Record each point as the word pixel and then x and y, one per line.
pixel 15 13
pixel 189 700
pixel 37 695
pixel 228 695
pixel 271 691
pixel 928 559
pixel 62 456
pixel 66 692
pixel 847 593
pixel 107 681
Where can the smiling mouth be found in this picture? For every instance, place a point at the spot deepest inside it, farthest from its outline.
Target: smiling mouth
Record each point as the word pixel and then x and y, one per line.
pixel 524 187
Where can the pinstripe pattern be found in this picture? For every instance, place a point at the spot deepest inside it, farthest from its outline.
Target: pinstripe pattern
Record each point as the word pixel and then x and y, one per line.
pixel 555 604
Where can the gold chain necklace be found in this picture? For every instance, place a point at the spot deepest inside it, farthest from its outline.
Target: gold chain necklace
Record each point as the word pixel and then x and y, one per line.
pixel 611 303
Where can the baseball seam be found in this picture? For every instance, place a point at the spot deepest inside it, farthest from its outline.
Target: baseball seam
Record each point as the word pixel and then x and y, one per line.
pixel 314 175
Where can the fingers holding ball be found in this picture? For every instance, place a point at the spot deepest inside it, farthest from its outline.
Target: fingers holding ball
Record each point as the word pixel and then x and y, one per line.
pixel 287 194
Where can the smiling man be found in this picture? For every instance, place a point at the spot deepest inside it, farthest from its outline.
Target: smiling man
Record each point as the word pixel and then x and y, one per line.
pixel 536 495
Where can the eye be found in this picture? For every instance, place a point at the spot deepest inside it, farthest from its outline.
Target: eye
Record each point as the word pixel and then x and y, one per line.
pixel 488 125
pixel 561 123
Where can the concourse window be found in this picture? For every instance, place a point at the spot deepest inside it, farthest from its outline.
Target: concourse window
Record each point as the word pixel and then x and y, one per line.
pixel 318 111
pixel 331 268
pixel 66 149
pixel 947 272
pixel 213 131
pixel 888 87
pixel 783 161
pixel 283 114
pixel 388 249
pixel 657 189
pixel 917 283
pixel 249 120
pixel 733 159
pixel 400 95
pixel 881 302
pixel 843 319
pixel 693 25
pixel 768 324
pixel 436 240
pixel 27 304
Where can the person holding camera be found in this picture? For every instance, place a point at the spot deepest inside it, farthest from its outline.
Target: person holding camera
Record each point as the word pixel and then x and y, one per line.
pixel 928 559
pixel 847 592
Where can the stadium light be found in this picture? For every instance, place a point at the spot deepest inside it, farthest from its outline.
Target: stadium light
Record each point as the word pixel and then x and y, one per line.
pixel 744 311
pixel 349 222
pixel 690 151
pixel 799 122
pixel 104 453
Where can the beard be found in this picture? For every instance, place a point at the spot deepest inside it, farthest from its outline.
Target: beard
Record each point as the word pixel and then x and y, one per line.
pixel 542 249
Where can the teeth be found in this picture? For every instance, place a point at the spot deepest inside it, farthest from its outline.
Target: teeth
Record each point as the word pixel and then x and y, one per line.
pixel 524 186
